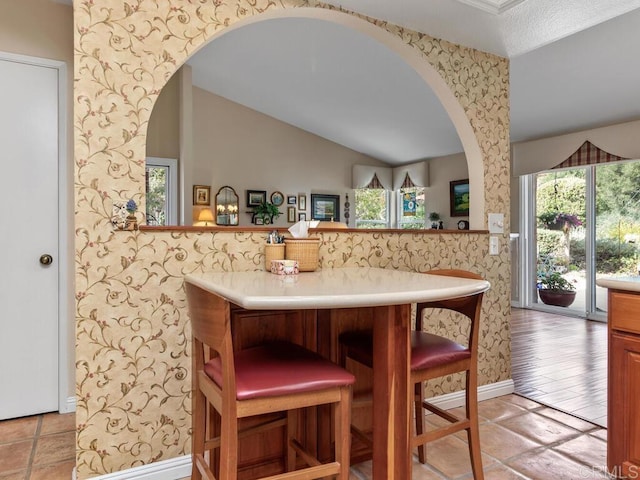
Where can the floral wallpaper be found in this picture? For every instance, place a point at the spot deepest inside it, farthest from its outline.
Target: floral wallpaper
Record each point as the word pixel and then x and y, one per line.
pixel 132 331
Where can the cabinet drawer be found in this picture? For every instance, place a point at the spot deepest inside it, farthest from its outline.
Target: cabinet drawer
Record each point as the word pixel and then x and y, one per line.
pixel 624 311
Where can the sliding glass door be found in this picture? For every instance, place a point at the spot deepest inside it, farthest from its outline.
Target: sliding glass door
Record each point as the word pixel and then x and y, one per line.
pixel 584 224
pixel 561 240
pixel 617 225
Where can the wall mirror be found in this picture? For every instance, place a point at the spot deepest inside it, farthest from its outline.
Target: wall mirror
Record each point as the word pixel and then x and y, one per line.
pixel 226 206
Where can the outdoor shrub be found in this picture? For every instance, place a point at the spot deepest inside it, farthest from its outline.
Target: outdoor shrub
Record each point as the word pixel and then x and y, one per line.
pixel 612 256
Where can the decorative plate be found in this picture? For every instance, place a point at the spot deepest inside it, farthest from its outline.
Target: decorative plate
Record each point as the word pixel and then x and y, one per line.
pixel 277 198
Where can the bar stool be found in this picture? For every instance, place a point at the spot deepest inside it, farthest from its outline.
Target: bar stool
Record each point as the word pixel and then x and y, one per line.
pixel 273 377
pixel 434 356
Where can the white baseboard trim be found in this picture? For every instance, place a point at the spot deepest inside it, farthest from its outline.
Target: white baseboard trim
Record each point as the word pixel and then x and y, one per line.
pixel 180 467
pixel 68 406
pixel 485 392
pixel 172 469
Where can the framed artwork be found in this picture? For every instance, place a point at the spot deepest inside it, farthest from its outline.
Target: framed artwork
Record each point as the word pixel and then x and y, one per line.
pixel 256 197
pixel 325 207
pixel 277 198
pixel 459 197
pixel 291 199
pixel 302 216
pixel 302 202
pixel 201 195
pixel 291 214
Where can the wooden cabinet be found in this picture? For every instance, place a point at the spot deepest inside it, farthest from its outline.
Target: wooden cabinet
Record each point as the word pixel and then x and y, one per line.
pixel 623 451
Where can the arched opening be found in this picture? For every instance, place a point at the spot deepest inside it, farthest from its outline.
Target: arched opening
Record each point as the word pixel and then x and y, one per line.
pixel 412 58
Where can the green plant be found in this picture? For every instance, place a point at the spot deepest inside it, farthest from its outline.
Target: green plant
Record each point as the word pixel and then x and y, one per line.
pixel 549 276
pixel 266 212
pixel 434 216
pixel 555 282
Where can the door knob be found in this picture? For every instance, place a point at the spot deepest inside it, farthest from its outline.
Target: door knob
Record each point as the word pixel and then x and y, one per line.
pixel 46 259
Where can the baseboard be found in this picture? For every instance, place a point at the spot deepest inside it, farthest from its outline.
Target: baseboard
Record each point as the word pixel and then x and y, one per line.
pixel 485 392
pixel 172 469
pixel 180 467
pixel 68 406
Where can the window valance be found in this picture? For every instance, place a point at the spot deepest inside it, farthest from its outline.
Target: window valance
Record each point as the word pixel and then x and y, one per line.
pixel 412 175
pixel 589 154
pixel 370 176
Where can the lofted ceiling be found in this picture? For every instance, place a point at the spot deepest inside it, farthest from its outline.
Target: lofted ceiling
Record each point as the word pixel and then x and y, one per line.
pixel 573 66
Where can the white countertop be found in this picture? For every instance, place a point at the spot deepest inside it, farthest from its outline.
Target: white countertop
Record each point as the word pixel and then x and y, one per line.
pixel 620 283
pixel 333 288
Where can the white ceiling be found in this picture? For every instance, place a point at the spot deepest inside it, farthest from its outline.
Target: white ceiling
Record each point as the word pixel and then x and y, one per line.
pixel 574 65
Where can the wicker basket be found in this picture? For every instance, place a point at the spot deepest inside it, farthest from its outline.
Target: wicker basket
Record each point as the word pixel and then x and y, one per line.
pixel 305 251
pixel 272 251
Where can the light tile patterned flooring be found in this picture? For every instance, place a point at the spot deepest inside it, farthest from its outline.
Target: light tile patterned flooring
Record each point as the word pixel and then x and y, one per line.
pixel 520 438
pixel 41 447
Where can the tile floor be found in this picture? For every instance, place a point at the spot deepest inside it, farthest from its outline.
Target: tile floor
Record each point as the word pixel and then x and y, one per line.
pixel 521 439
pixel 41 447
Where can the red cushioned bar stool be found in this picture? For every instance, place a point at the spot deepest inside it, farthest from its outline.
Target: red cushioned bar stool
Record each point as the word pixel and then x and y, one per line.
pixel 274 377
pixel 434 356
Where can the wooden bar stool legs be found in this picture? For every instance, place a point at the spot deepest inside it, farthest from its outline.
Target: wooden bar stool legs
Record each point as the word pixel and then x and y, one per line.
pixel 265 379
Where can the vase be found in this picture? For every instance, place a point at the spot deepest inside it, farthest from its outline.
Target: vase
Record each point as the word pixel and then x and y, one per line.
pixel 131 223
pixel 559 298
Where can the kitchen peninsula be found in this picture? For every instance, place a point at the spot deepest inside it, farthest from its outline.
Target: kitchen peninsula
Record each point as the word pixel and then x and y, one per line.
pixel 308 306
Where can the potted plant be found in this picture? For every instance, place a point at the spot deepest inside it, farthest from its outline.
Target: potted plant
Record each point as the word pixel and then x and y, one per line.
pixel 435 218
pixel 265 213
pixel 558 221
pixel 554 289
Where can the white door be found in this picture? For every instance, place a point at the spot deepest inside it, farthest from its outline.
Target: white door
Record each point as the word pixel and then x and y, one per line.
pixel 29 216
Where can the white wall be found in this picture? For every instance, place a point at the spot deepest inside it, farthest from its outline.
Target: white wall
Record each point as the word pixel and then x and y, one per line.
pixel 443 170
pixel 242 148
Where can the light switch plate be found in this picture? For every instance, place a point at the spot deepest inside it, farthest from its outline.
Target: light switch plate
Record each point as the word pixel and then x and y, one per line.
pixel 496 223
pixel 494 245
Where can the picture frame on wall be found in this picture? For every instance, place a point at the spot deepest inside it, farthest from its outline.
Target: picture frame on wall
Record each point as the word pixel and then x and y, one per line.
pixel 256 197
pixel 291 214
pixel 277 198
pixel 302 202
pixel 202 195
pixel 459 198
pixel 302 216
pixel 291 200
pixel 325 207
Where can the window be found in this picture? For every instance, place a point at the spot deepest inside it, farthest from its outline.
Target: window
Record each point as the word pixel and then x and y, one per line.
pixel 161 181
pixel 411 213
pixel 372 208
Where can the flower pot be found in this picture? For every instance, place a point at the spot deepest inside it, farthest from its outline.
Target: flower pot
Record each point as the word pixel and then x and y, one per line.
pixel 559 298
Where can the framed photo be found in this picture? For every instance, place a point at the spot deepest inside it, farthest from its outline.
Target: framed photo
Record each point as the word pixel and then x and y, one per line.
pixel 325 207
pixel 277 198
pixel 459 198
pixel 291 200
pixel 256 197
pixel 291 214
pixel 201 195
pixel 302 202
pixel 302 216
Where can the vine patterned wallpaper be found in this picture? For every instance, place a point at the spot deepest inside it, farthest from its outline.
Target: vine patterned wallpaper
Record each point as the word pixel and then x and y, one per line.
pixel 132 334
